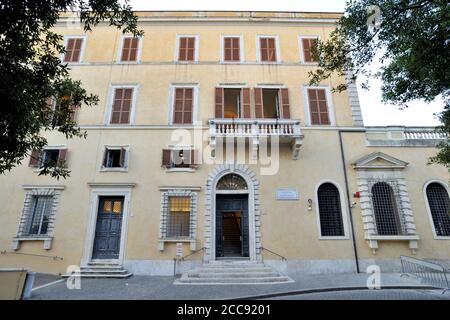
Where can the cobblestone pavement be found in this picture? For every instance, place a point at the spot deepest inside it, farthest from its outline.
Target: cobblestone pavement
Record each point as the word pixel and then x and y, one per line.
pixel 160 288
pixel 386 294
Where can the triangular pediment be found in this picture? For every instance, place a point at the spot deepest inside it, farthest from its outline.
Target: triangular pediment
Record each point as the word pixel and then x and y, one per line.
pixel 379 160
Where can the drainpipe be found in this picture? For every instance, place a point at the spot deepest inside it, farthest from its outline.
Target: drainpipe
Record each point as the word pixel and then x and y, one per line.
pixel 352 230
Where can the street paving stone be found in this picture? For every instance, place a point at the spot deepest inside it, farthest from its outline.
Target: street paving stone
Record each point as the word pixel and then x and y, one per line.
pixel 161 288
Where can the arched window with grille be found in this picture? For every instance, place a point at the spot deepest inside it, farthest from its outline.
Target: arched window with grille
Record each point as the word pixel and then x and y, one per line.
pixel 330 212
pixel 439 204
pixel 387 215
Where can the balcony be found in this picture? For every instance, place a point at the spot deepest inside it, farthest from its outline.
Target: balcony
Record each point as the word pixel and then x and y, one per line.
pixel 400 136
pixel 286 130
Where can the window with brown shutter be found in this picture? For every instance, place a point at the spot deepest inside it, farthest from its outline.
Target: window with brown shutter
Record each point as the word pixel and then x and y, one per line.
pixel 121 108
pixel 308 47
pixel 130 49
pixel 183 106
pixel 73 50
pixel 35 158
pixel 318 107
pixel 42 158
pixel 115 157
pixel 231 47
pixel 186 50
pixel 180 158
pixel 268 49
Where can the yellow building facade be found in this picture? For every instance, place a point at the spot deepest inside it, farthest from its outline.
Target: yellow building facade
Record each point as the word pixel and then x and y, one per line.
pixel 207 140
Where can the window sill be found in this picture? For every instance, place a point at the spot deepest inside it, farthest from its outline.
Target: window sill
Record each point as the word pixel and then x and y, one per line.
pixel 128 62
pixel 45 238
pixel 193 242
pixel 334 238
pixel 441 237
pixel 172 170
pixel 103 169
pixel 373 241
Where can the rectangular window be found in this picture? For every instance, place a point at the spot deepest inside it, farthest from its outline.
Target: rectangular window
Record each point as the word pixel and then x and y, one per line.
pixel 180 158
pixel 114 157
pixel 40 159
pixel 121 108
pixel 308 45
pixel 73 50
pixel 268 49
pixel 183 105
pixel 178 220
pixel 272 103
pixel 318 107
pixel 38 218
pixel 231 49
pixel 130 47
pixel 186 49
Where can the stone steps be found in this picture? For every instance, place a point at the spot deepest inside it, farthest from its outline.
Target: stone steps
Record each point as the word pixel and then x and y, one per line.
pixel 98 270
pixel 232 272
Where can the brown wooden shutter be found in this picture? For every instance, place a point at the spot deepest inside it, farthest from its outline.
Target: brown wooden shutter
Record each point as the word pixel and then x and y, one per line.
pixel 263 49
pixel 62 155
pixel 228 49
pixel 190 49
pixel 236 49
pixel 73 50
pixel 133 49
pixel 166 158
pixel 219 113
pixel 188 105
pixel 105 156
pixel 258 103
pixel 182 49
pixel 34 158
pixel 194 159
pixel 285 108
pixel 122 157
pixel 72 112
pixel 121 108
pixel 318 107
pixel 272 53
pixel 308 46
pixel 246 104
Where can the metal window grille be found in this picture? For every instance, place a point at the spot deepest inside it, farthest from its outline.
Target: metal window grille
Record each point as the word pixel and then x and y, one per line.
pixel 439 203
pixel 39 216
pixel 388 217
pixel 330 210
pixel 178 219
pixel 232 182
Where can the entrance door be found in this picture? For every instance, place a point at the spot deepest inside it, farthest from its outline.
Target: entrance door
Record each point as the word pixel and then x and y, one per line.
pixel 232 226
pixel 108 228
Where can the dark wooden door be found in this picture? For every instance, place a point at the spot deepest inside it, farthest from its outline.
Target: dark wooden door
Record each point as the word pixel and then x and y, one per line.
pixel 108 228
pixel 232 203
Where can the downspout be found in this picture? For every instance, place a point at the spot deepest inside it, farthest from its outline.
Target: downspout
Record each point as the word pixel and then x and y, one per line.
pixel 352 230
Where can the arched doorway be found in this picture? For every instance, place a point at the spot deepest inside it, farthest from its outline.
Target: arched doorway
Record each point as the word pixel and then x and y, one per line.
pixel 232 192
pixel 232 227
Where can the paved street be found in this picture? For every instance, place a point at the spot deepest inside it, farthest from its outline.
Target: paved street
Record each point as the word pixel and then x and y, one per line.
pixel 310 287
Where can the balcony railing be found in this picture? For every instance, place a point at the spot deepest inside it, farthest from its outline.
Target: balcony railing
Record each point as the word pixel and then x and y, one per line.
pixel 254 127
pixel 412 133
pixel 404 136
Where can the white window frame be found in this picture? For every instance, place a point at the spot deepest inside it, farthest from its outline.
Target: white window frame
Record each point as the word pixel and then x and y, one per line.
pixel 112 90
pixel 177 148
pixel 344 212
pixel 51 147
pixel 126 160
pixel 195 102
pixel 83 47
pixel 139 50
pixel 330 105
pixel 53 191
pixel 167 192
pixel 241 48
pixel 177 47
pixel 430 217
pixel 300 46
pixel 277 48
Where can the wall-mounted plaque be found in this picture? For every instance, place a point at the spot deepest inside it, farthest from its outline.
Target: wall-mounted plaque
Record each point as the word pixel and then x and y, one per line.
pixel 287 194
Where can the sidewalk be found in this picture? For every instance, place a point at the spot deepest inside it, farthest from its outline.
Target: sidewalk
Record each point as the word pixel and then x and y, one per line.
pixel 161 288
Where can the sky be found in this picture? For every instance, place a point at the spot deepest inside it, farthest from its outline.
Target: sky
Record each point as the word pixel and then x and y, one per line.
pixel 375 113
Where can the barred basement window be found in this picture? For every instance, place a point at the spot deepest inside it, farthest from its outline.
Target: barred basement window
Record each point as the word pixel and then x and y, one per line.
pixel 178 220
pixel 38 218
pixel 330 213
pixel 439 204
pixel 387 215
